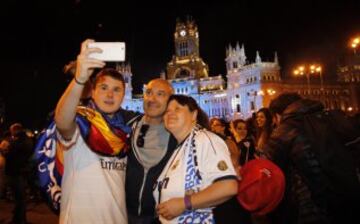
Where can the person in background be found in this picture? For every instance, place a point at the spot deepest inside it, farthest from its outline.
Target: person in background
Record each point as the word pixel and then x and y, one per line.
pixel 220 127
pixel 231 211
pixel 305 198
pixel 246 146
pixel 244 141
pixel 199 174
pixel 4 146
pixel 17 151
pixel 264 126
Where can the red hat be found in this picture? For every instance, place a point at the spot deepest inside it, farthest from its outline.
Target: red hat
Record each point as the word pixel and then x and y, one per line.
pixel 261 187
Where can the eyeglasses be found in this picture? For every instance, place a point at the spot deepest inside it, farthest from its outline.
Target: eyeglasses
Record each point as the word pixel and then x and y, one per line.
pixel 140 141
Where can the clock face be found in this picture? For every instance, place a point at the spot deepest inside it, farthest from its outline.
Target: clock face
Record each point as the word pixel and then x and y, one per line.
pixel 182 33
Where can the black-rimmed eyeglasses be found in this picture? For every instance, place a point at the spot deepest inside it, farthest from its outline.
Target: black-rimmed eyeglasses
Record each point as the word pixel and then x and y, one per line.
pixel 140 141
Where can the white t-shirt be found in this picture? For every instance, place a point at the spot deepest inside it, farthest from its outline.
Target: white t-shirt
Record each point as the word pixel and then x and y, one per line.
pixel 93 186
pixel 214 163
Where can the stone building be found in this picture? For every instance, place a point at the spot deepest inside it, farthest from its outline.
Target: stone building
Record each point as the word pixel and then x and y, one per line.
pixel 250 85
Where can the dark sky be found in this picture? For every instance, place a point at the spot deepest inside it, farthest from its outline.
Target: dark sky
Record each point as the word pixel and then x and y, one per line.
pixel 39 37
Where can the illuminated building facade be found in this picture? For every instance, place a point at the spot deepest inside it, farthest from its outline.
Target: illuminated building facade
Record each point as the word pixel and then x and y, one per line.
pixel 249 87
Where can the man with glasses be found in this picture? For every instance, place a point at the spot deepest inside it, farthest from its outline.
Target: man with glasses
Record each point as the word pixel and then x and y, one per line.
pixel 152 146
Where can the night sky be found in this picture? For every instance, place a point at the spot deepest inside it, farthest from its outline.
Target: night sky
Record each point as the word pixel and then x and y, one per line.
pixel 39 37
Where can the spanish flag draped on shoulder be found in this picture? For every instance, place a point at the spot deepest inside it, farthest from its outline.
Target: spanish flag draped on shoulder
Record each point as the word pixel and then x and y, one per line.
pixel 103 135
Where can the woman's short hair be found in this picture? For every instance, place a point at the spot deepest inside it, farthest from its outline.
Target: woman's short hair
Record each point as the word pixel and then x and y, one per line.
pixel 201 119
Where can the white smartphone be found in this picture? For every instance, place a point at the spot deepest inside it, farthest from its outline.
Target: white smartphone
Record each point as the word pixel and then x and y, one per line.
pixel 111 51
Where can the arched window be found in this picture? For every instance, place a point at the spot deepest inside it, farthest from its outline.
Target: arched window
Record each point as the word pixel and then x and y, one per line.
pixel 235 64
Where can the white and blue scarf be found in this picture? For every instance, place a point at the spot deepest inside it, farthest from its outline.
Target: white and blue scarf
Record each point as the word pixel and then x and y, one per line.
pixel 193 182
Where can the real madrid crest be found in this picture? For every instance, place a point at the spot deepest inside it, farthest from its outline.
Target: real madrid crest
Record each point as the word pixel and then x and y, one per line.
pixel 222 165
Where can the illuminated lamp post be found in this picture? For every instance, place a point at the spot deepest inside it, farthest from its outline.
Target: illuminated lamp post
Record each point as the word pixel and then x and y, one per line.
pixel 355 43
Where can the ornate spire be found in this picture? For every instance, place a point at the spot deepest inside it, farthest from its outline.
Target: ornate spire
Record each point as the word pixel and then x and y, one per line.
pixel 229 50
pixel 237 46
pixel 242 51
pixel 258 59
pixel 276 60
pixel 242 56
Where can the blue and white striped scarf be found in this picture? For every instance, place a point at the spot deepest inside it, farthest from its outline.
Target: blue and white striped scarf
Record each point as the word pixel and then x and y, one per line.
pixel 192 184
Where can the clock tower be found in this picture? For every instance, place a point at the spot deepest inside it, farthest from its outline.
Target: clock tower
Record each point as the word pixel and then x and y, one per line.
pixel 186 63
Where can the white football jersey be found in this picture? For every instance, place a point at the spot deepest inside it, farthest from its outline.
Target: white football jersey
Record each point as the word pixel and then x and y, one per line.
pixel 214 163
pixel 93 186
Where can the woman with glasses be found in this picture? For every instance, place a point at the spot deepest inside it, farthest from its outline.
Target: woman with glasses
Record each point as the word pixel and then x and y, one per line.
pixel 221 128
pixel 199 175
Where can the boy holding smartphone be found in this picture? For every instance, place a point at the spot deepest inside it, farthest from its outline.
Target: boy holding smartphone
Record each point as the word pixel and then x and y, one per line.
pixel 94 142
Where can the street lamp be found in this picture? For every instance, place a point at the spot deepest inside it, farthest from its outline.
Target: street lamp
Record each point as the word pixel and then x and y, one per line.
pixel 317 69
pixel 270 92
pixel 355 43
pixel 300 71
pixel 308 70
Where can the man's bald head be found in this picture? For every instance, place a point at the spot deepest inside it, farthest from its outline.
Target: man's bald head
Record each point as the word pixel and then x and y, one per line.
pixel 165 84
pixel 156 95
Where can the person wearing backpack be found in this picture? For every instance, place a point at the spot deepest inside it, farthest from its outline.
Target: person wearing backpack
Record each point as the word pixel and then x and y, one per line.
pixel 312 193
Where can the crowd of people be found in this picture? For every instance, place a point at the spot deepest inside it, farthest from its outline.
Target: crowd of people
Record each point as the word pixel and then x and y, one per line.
pixel 172 164
pixel 17 171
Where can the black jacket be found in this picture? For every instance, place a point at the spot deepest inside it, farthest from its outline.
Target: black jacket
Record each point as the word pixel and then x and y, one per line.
pixel 305 195
pixel 17 159
pixel 247 150
pixel 135 178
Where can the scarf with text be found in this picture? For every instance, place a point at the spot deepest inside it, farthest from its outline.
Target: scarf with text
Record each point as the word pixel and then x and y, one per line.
pixel 192 183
